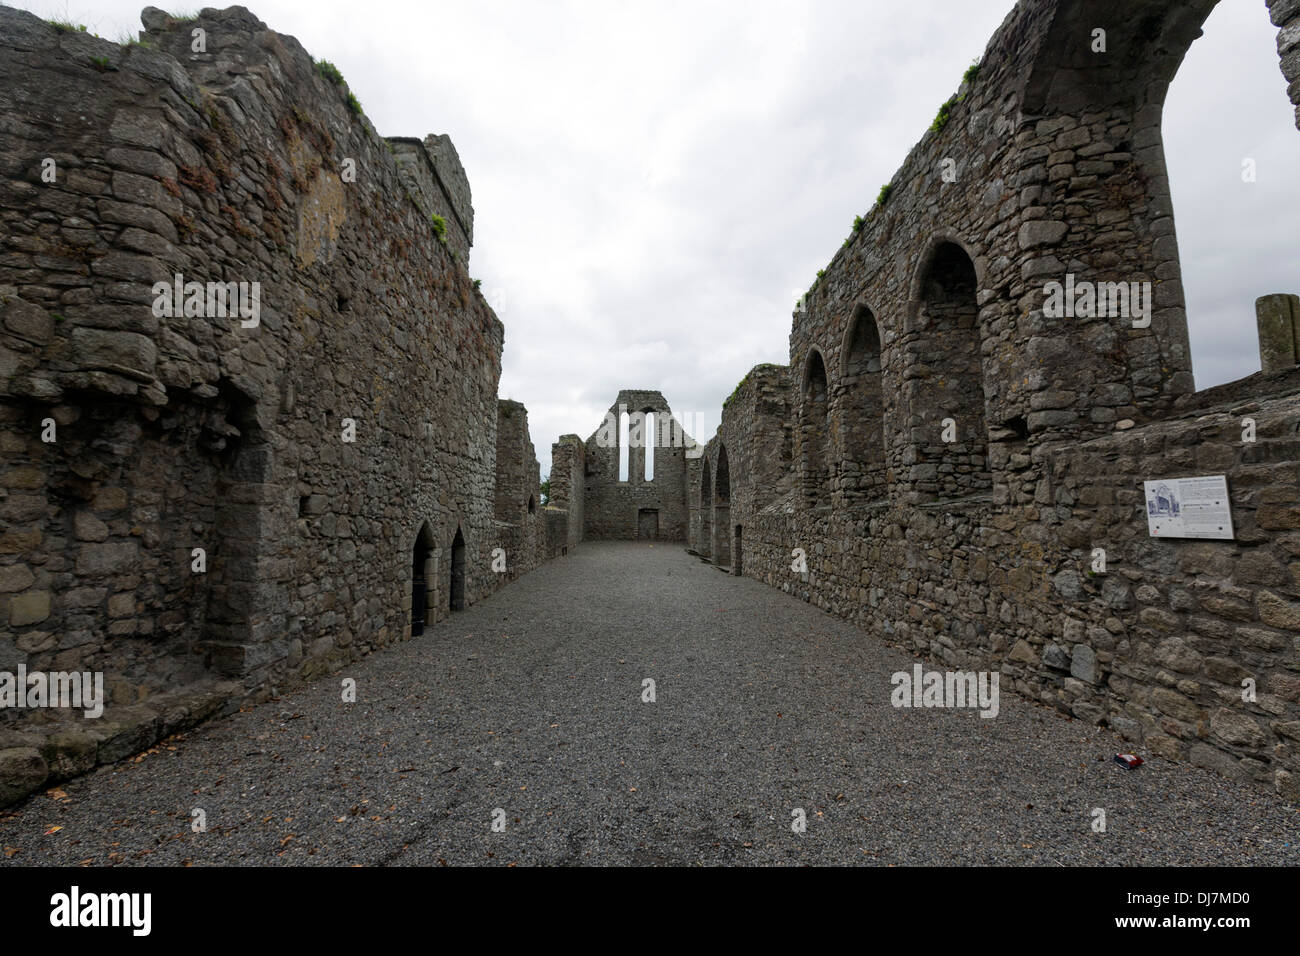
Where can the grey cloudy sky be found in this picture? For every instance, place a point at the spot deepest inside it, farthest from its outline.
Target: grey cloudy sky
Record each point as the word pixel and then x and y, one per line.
pixel 655 183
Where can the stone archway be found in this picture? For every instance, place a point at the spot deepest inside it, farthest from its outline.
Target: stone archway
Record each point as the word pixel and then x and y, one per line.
pixel 814 428
pixel 862 410
pixel 421 577
pixel 946 395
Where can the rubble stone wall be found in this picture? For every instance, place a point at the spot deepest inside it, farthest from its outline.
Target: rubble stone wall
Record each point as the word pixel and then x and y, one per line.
pixel 206 506
pixel 637 508
pixel 960 453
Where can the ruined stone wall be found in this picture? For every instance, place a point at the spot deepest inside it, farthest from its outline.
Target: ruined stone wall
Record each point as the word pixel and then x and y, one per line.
pixel 755 437
pixel 520 518
pixel 1286 17
pixel 179 432
pixel 566 511
pixel 1070 183
pixel 637 508
pixel 974 548
pixel 432 172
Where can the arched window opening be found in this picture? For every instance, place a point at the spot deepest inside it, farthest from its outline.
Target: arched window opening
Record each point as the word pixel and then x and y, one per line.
pixel 651 437
pixel 623 450
pixel 948 425
pixel 1234 203
pixel 813 432
pixel 706 509
pixel 532 504
pixel 862 403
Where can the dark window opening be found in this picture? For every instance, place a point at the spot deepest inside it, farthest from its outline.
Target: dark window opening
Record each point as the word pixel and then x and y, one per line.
pixel 419 584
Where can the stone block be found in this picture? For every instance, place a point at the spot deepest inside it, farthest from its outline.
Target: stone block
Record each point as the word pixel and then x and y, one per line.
pixel 1237 730
pixel 22 771
pixel 1056 657
pixel 15 577
pixel 29 607
pixel 69 754
pixel 1083 664
pixel 127 353
pixel 1275 318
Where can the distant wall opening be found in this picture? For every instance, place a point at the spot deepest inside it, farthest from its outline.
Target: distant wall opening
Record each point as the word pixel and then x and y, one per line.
pixel 651 437
pixel 624 428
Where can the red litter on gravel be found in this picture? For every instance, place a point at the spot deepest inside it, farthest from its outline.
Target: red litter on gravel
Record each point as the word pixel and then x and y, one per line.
pixel 1128 761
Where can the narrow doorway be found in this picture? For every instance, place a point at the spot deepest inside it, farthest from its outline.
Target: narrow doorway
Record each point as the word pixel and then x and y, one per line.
pixel 419 585
pixel 735 552
pixel 457 589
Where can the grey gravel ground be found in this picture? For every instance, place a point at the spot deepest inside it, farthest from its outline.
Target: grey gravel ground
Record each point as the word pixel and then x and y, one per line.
pixel 531 702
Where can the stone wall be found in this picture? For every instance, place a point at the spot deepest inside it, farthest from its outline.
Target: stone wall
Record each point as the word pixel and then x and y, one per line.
pixel 520 518
pixel 1286 17
pixel 637 508
pixel 438 184
pixel 207 507
pixel 753 442
pixel 566 510
pixel 960 453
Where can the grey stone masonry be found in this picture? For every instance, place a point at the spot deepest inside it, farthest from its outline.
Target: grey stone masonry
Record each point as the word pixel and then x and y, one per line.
pixel 521 520
pixel 566 510
pixel 636 507
pixel 1286 17
pixel 432 172
pixel 204 504
pixel 984 376
pixel 1277 318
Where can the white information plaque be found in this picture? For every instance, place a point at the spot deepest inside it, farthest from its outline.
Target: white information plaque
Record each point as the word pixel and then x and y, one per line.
pixel 1189 508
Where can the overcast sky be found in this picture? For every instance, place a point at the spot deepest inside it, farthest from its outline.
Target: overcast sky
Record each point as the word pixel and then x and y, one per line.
pixel 655 183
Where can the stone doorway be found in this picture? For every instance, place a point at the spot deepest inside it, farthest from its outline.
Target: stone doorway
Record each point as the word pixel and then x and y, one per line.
pixel 420 583
pixel 647 523
pixel 735 551
pixel 457 589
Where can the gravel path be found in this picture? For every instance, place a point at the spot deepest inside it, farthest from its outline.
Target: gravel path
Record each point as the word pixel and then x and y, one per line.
pixel 531 702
